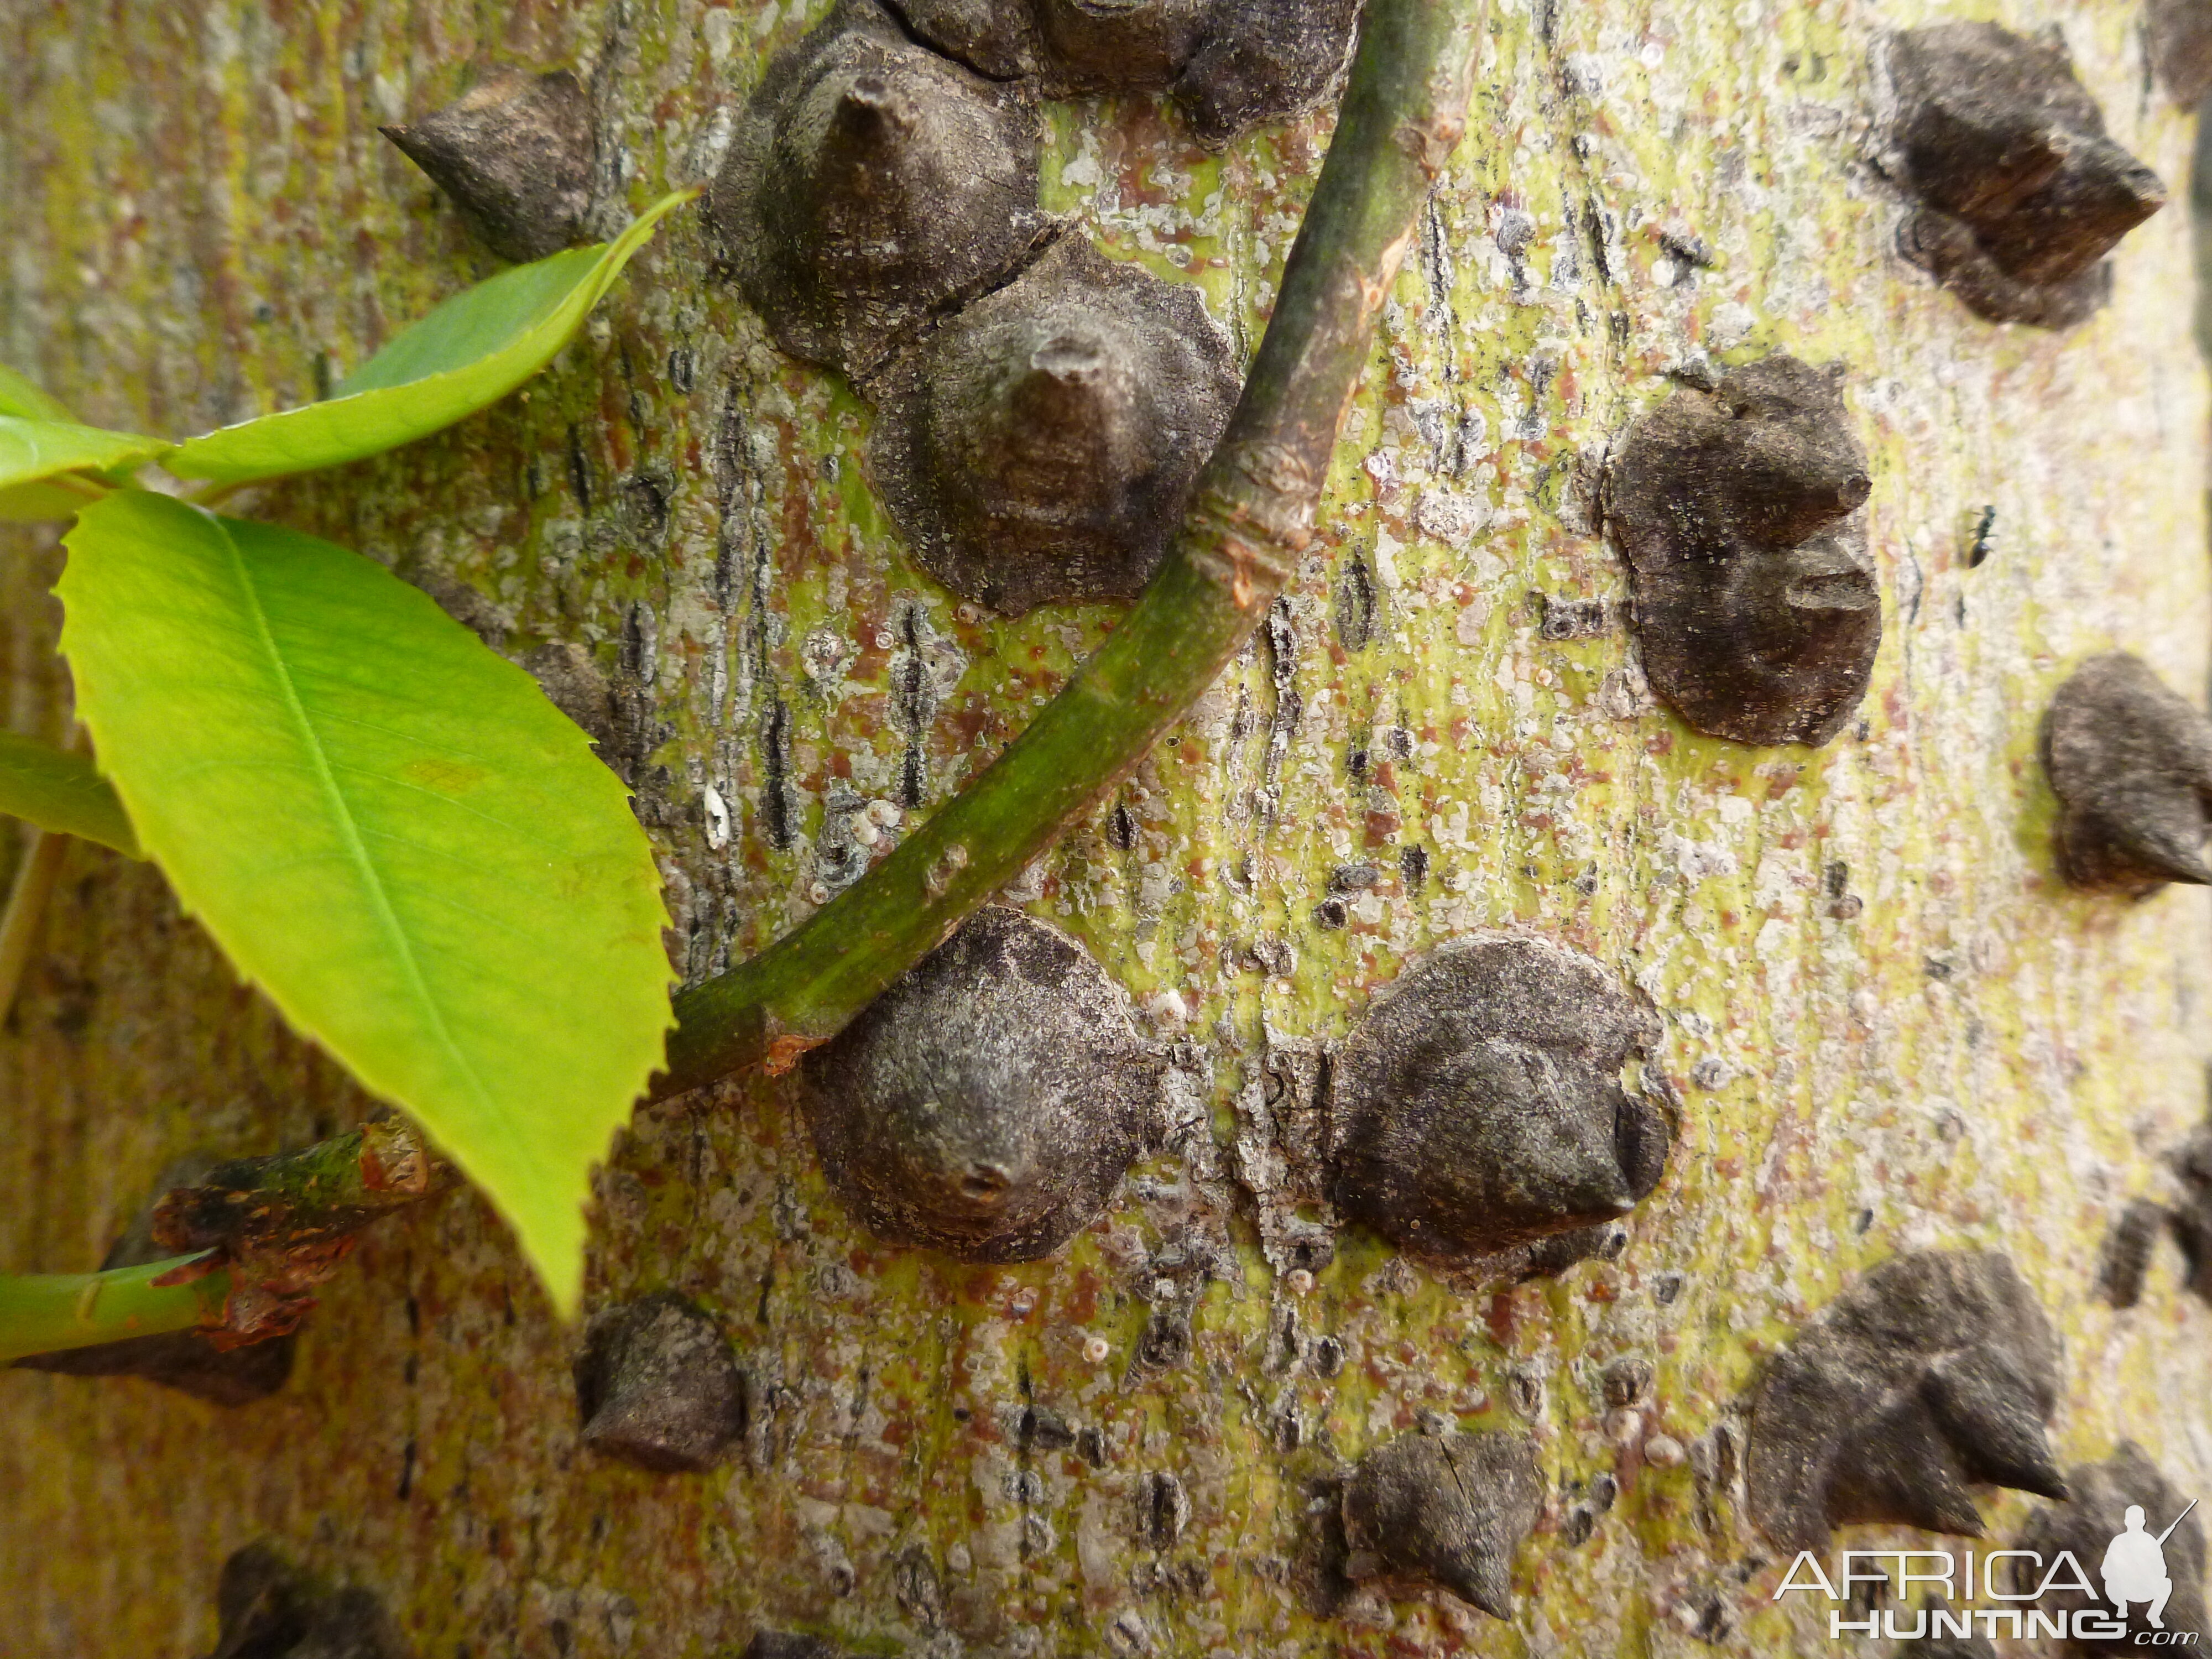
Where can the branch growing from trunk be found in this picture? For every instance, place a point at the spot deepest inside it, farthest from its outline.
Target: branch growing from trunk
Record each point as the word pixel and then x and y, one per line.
pixel 1401 118
pixel 283 1224
pixel 254 1240
pixel 265 1231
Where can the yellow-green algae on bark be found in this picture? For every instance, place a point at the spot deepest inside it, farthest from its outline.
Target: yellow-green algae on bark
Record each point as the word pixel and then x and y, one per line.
pixel 204 222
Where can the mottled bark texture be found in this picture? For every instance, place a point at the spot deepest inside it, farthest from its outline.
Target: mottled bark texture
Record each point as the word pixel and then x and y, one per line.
pixel 1889 1022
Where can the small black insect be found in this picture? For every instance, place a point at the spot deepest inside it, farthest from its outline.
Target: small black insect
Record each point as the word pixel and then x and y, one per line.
pixel 986 1104
pixel 1935 1370
pixel 1737 510
pixel 657 1385
pixel 1985 538
pixel 1479 1107
pixel 516 155
pixel 2022 194
pixel 871 187
pixel 1041 1429
pixel 1042 444
pixel 1448 1509
pixel 2132 764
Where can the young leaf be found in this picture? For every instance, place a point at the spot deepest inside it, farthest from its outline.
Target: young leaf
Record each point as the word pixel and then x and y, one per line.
pixel 32 453
pixel 386 827
pixel 57 790
pixel 469 353
pixel 20 398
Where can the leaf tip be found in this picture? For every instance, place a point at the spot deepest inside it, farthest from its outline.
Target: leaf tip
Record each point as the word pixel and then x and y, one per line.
pixel 552 1241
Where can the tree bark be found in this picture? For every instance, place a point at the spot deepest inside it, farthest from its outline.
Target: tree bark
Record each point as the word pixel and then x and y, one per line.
pixel 1888 1023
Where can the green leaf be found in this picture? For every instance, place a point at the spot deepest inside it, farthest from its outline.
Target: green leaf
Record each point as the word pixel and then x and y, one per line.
pixel 57 790
pixel 469 353
pixel 33 451
pixel 390 829
pixel 20 398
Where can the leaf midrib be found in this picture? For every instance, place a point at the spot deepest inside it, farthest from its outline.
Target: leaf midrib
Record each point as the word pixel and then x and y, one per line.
pixel 365 867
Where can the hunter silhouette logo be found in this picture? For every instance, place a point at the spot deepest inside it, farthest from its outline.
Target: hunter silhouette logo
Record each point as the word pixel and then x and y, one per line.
pixel 2134 1567
pixel 2037 1592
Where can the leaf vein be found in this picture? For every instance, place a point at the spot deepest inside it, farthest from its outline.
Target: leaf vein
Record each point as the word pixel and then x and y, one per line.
pixel 342 809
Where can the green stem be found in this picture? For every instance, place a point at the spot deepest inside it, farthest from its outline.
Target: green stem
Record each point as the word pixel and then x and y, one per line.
pixel 1253 515
pixel 46 1313
pixel 78 484
pixel 40 869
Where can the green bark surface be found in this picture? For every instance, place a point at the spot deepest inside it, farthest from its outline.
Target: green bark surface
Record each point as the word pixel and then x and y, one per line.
pixel 204 223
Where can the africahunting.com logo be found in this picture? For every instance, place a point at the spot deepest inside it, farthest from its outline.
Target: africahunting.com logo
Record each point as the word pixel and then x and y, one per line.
pixel 2035 1595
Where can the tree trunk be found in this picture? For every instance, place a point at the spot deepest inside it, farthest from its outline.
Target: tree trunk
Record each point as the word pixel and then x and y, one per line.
pixel 1886 1023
